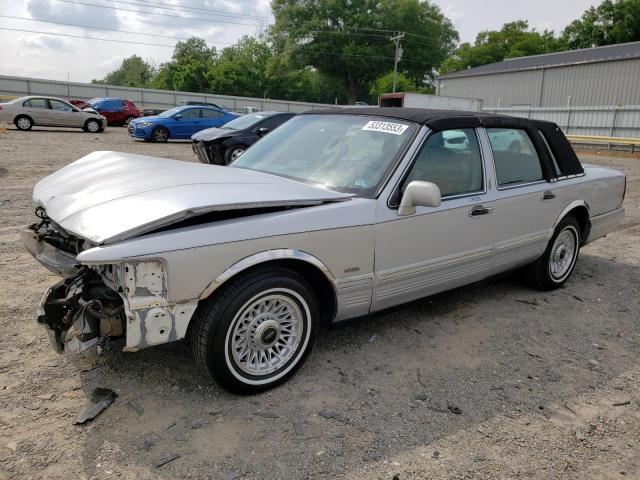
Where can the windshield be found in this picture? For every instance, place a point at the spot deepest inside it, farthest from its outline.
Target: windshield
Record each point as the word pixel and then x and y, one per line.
pixel 245 121
pixel 348 153
pixel 171 112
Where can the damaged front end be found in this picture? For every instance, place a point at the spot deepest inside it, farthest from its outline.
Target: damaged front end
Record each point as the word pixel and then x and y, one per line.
pixel 80 312
pixel 98 302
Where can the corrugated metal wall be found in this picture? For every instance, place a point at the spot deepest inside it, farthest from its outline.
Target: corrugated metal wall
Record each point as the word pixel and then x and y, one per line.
pixel 19 86
pixel 604 121
pixel 595 84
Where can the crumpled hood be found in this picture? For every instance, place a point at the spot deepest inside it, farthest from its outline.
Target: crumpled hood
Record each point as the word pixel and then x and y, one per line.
pixel 210 134
pixel 109 196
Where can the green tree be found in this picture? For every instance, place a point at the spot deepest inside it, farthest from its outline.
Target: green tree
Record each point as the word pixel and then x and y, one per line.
pixel 514 39
pixel 609 23
pixel 241 69
pixel 188 68
pixel 384 84
pixel 133 72
pixel 349 41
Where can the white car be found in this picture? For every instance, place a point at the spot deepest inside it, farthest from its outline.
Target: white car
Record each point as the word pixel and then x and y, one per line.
pixel 334 215
pixel 27 112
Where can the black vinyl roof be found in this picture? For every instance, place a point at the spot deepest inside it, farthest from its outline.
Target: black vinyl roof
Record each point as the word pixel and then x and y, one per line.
pixel 622 51
pixel 424 116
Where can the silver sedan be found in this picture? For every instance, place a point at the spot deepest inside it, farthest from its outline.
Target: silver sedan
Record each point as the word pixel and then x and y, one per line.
pixel 26 112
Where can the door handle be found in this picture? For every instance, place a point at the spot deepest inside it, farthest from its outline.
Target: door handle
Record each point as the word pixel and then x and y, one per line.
pixel 480 210
pixel 548 195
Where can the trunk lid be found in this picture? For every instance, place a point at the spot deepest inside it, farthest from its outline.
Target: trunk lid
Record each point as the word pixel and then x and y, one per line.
pixel 110 196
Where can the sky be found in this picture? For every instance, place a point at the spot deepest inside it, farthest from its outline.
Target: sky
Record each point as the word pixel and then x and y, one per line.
pixel 31 54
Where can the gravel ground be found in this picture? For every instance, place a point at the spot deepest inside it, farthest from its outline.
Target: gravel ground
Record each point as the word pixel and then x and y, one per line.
pixel 491 381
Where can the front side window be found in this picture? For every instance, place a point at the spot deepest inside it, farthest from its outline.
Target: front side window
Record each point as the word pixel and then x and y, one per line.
pixel 191 113
pixel 36 103
pixel 347 153
pixel 60 106
pixel 451 159
pixel 515 157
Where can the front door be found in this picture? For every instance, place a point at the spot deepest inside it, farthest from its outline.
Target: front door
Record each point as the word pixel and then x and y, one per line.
pixel 437 248
pixel 64 115
pixel 188 124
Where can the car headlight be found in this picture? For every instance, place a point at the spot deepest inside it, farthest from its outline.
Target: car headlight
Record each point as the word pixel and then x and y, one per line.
pixel 143 124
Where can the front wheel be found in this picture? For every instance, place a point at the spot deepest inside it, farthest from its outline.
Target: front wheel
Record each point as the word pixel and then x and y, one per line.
pixel 555 266
pixel 256 331
pixel 233 152
pixel 92 126
pixel 160 135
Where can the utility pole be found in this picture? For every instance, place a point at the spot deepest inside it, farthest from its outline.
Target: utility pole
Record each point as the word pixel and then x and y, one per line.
pixel 398 56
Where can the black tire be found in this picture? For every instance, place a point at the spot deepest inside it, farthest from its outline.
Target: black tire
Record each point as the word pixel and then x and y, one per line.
pixel 92 126
pixel 544 274
pixel 160 135
pixel 23 122
pixel 232 152
pixel 213 330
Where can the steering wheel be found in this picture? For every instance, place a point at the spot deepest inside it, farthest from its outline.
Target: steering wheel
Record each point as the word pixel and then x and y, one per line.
pixel 357 169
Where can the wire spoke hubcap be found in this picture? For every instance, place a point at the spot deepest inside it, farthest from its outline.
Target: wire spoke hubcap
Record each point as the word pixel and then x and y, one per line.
pixel 266 334
pixel 562 254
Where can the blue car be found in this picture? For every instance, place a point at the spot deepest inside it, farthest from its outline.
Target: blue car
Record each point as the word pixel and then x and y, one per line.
pixel 178 122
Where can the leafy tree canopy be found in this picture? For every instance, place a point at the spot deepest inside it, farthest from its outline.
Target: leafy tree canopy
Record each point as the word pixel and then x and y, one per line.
pixel 514 39
pixel 610 22
pixel 350 41
pixel 133 72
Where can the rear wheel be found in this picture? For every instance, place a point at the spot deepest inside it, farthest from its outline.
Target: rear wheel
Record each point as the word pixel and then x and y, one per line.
pixel 23 122
pixel 92 126
pixel 256 331
pixel 559 259
pixel 233 152
pixel 160 135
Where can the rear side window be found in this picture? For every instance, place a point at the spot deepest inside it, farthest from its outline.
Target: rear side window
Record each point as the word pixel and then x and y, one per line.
pixel 36 103
pixel 451 159
pixel 515 157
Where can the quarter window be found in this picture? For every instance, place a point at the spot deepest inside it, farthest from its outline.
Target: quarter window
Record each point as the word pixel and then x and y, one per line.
pixel 36 103
pixel 515 157
pixel 451 159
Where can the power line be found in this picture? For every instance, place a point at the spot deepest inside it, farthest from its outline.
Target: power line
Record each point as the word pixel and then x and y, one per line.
pixel 153 13
pixel 185 8
pixel 84 37
pixel 91 27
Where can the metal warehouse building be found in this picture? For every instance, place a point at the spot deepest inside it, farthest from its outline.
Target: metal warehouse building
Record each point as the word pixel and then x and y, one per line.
pixel 601 76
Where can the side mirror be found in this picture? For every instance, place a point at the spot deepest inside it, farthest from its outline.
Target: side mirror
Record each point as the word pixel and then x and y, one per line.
pixel 419 194
pixel 262 131
pixel 177 117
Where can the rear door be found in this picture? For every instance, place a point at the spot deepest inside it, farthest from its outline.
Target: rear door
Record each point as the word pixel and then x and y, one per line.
pixel 526 204
pixel 38 109
pixel 437 248
pixel 211 118
pixel 64 115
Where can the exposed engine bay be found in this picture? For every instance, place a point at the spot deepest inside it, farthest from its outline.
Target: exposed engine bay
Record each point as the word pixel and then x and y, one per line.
pixel 81 311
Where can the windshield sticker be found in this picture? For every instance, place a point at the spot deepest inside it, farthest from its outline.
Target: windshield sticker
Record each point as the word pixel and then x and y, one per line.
pixel 361 183
pixel 386 127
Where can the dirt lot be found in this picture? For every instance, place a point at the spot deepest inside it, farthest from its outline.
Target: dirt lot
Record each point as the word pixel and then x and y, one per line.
pixel 547 384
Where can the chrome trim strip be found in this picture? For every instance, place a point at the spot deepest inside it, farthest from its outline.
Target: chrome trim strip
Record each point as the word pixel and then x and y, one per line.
pixel 255 259
pixel 434 264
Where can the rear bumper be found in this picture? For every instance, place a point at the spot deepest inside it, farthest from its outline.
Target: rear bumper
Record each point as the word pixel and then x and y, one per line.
pixel 605 223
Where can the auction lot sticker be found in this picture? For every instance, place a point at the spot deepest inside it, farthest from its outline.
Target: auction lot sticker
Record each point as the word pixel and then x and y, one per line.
pixel 386 127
